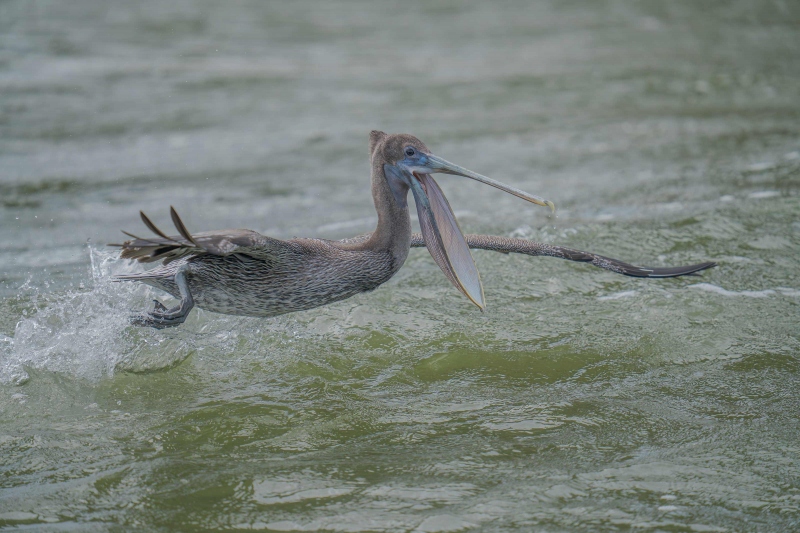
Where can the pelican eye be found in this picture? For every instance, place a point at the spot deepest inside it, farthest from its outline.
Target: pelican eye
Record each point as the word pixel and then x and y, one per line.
pixel 410 152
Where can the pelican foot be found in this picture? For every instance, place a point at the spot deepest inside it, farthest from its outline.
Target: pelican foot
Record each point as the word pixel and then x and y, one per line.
pixel 161 317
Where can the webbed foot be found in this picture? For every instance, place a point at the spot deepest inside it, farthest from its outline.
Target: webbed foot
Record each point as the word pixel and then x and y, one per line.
pixel 161 317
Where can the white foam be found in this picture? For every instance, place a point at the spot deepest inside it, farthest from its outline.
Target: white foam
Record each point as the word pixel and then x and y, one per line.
pixel 617 296
pixel 788 291
pixel 708 287
pixel 763 194
pixel 761 167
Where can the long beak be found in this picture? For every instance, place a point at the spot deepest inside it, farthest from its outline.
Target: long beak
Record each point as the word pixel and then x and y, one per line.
pixel 440 229
pixel 437 164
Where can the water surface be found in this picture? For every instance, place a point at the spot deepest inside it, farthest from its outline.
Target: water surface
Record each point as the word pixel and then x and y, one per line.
pixel 666 134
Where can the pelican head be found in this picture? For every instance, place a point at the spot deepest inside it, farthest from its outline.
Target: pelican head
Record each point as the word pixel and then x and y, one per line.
pixel 408 164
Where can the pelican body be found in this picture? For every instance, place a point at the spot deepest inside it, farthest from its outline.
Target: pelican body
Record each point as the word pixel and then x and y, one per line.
pixel 242 272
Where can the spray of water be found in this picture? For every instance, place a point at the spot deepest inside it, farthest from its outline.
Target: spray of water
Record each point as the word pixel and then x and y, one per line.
pixel 85 332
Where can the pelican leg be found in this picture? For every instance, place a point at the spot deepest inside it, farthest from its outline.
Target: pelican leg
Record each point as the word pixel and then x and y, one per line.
pixel 161 317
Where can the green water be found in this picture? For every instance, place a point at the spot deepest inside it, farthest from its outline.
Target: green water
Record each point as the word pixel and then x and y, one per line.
pixel 667 133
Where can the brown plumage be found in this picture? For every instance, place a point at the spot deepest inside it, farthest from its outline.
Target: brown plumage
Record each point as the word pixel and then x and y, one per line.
pixel 245 273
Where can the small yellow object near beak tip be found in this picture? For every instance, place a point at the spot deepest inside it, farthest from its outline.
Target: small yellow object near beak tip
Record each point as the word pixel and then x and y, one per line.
pixel 551 205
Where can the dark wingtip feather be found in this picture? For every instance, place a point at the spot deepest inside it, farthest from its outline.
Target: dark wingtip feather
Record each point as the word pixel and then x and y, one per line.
pixel 159 248
pixel 153 227
pixel 131 235
pixel 179 225
pixel 681 271
pixel 668 272
pixel 140 241
pixel 627 269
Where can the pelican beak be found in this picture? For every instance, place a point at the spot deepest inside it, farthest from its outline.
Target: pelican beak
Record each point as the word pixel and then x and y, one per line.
pixel 437 164
pixel 440 229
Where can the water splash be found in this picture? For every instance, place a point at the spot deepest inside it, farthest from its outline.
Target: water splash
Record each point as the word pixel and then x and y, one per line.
pixel 85 332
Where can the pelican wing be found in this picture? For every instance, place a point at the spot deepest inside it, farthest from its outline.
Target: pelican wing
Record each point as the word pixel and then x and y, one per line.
pixel 169 248
pixel 522 246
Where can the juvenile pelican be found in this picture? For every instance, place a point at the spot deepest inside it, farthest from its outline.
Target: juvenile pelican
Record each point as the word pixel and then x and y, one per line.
pixel 242 272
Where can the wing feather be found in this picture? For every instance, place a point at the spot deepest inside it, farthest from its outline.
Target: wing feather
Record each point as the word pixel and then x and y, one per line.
pixel 179 225
pixel 521 246
pixel 170 248
pixel 152 227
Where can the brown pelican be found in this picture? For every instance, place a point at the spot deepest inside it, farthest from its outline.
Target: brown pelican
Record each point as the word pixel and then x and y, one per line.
pixel 242 272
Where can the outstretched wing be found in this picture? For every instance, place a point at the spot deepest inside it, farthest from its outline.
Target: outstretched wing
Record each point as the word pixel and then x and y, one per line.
pixel 169 248
pixel 521 246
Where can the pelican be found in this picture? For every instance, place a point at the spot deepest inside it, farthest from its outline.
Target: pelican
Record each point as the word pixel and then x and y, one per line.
pixel 242 272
